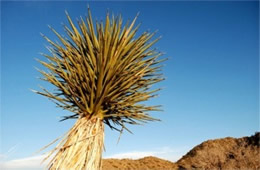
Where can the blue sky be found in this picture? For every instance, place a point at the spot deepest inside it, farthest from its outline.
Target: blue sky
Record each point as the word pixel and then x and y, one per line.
pixel 211 90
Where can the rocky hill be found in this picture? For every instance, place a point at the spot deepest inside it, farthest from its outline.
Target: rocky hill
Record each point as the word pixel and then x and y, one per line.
pixel 227 153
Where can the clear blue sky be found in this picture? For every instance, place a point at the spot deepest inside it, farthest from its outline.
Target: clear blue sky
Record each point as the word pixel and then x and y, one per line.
pixel 211 90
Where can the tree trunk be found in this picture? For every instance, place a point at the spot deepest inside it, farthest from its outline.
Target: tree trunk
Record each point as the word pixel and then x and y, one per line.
pixel 81 148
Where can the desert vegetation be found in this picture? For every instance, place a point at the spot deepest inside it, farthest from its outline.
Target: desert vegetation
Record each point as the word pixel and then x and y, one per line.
pixel 101 72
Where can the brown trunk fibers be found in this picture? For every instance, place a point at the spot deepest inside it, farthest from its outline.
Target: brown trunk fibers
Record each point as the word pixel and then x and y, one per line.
pixel 81 148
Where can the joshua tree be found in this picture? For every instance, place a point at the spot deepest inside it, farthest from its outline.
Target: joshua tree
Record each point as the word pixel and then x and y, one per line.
pixel 101 75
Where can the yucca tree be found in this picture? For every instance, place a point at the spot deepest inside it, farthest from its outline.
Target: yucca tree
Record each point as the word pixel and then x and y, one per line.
pixel 101 75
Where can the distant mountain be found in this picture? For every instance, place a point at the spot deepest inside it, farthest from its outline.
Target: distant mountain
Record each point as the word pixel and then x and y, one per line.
pixel 227 153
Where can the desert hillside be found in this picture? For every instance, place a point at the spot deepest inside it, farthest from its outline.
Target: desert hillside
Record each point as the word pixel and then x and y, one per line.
pixel 226 153
pixel 146 163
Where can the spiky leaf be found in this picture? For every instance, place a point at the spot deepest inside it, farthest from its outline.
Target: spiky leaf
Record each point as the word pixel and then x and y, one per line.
pixel 103 71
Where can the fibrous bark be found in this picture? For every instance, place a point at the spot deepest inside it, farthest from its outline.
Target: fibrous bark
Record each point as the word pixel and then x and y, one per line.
pixel 82 147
